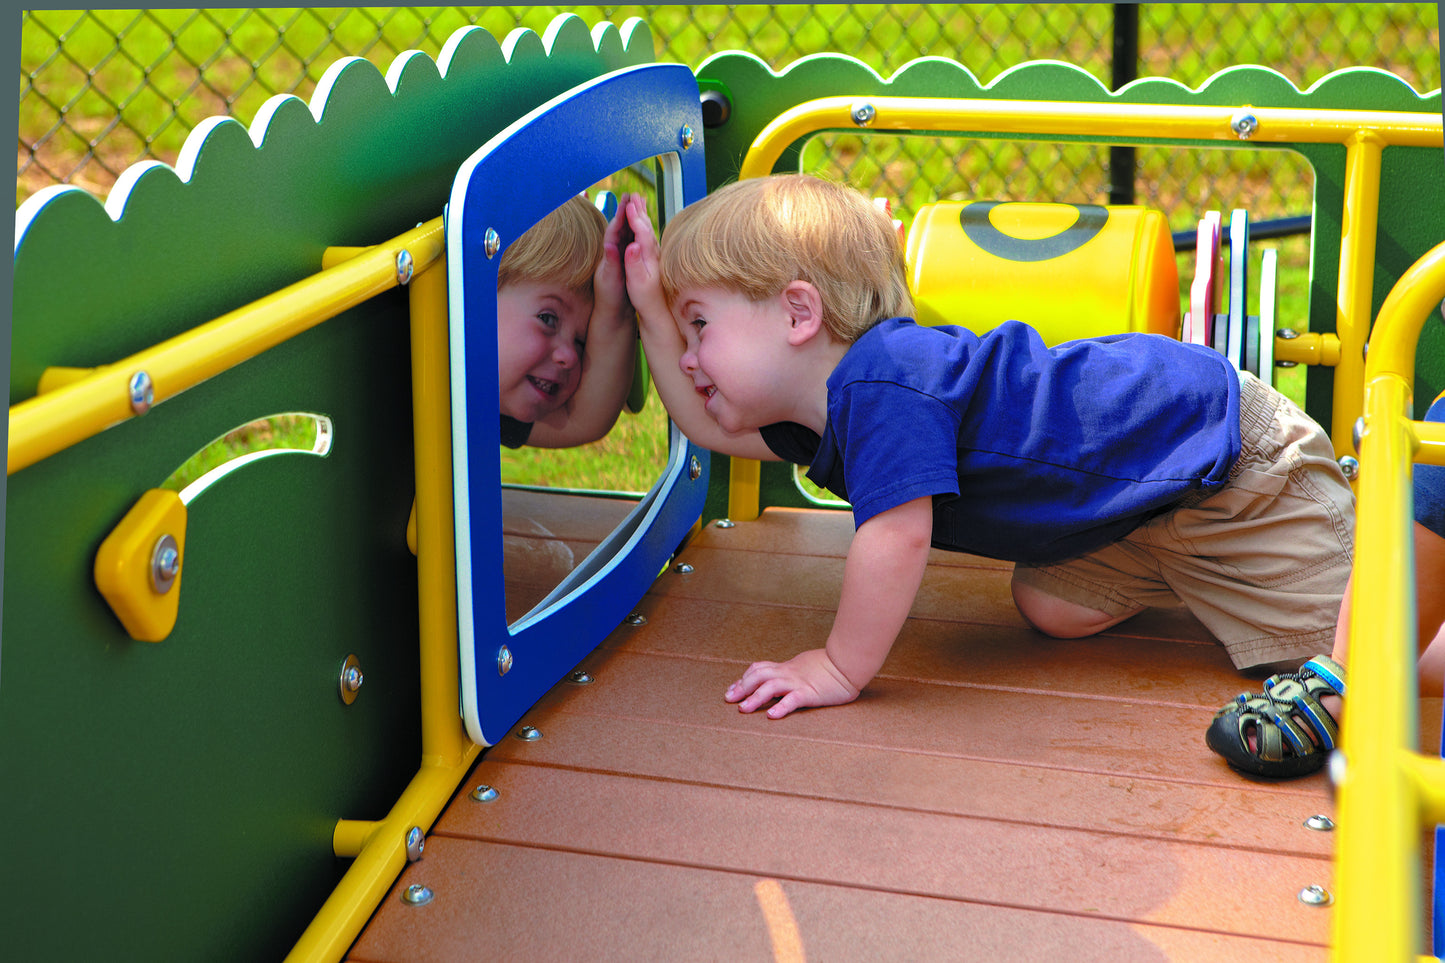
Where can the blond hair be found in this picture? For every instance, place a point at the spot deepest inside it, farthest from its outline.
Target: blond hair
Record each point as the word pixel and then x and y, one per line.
pixel 755 236
pixel 563 247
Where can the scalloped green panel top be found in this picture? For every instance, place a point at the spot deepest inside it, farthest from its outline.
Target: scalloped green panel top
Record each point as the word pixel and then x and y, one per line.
pixel 248 211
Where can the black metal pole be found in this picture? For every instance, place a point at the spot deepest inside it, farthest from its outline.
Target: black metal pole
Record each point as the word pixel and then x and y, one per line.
pixel 1126 68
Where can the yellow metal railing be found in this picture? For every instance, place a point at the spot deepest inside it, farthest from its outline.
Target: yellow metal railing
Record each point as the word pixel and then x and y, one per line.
pixel 1364 135
pixel 1388 792
pixel 87 403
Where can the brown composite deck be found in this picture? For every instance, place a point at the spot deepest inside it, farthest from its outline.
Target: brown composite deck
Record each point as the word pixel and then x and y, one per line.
pixel 994 795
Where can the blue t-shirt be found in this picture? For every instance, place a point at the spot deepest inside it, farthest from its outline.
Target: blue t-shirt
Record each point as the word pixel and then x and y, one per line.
pixel 1430 483
pixel 1031 453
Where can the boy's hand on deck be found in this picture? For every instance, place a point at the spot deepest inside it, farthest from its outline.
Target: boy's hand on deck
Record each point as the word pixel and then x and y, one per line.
pixel 807 679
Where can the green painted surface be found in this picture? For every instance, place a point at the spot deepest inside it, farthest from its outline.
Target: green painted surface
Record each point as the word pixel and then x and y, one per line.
pixel 175 801
pixel 1412 185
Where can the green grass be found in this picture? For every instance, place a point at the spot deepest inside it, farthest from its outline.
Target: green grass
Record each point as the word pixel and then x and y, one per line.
pixel 287 432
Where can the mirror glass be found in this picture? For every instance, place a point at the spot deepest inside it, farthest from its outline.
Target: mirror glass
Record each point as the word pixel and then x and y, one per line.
pixel 590 436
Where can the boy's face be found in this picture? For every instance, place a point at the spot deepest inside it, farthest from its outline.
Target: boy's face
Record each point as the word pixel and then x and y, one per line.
pixel 736 355
pixel 541 332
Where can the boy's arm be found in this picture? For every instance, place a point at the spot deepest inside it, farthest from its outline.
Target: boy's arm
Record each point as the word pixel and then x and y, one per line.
pixel 663 344
pixel 609 356
pixel 880 579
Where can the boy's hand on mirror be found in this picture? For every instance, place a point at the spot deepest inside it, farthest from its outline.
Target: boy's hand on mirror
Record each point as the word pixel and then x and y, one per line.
pixel 609 285
pixel 643 259
pixel 808 679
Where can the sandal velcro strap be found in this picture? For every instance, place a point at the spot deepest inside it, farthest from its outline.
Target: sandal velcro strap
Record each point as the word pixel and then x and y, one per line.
pixel 1292 731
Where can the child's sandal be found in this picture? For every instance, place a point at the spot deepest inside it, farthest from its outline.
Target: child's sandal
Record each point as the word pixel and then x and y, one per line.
pixel 1282 720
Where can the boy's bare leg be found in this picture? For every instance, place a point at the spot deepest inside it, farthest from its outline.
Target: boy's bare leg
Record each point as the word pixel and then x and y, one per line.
pixel 1060 618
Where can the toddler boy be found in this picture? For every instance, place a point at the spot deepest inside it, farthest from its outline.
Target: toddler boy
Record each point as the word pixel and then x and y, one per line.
pixel 1117 473
pixel 566 334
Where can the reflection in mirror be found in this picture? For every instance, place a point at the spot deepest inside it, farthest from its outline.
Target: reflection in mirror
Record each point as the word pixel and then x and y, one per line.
pixel 582 443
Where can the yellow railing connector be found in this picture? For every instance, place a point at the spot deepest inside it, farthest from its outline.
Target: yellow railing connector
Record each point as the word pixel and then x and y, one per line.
pixel 79 407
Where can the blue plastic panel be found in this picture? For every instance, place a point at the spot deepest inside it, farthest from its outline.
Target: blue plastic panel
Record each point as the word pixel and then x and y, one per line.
pixel 516 178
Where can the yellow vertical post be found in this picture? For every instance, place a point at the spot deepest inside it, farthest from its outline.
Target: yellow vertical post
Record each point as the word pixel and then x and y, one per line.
pixel 1357 278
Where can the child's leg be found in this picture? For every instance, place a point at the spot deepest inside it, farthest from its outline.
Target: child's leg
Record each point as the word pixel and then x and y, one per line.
pixel 1061 618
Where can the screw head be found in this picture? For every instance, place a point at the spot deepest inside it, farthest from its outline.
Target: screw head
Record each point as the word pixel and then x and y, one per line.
pixel 863 113
pixel 1320 823
pixel 1244 124
pixel 142 392
pixel 579 677
pixel 529 733
pixel 685 137
pixel 694 468
pixel 491 243
pixel 1350 465
pixel 404 266
pixel 417 895
pixel 725 523
pixel 165 564
pixel 1315 895
pixel 684 567
pixel 351 678
pixel 415 843
pixel 504 660
pixel 484 794
pixel 636 618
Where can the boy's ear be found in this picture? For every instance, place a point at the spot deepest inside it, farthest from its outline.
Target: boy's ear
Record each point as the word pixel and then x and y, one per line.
pixel 805 311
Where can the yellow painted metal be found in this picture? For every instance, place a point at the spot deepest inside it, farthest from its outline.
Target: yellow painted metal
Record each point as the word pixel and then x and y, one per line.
pixel 1102 123
pixel 55 420
pixel 125 562
pixel 1357 277
pixel 351 835
pixel 1310 347
pixel 58 377
pixel 447 753
pixel 1387 789
pixel 744 488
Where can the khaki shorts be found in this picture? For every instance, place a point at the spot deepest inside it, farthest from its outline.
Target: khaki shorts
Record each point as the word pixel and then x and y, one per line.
pixel 1262 562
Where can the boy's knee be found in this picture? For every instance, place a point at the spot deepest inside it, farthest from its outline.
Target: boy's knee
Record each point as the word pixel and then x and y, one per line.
pixel 1059 618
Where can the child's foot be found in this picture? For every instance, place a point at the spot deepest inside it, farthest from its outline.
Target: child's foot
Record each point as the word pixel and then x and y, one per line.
pixel 1287 730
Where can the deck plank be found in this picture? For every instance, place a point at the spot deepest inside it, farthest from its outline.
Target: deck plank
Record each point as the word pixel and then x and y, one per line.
pixel 993 794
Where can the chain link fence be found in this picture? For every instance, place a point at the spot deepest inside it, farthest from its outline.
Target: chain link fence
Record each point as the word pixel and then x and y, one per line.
pixel 103 89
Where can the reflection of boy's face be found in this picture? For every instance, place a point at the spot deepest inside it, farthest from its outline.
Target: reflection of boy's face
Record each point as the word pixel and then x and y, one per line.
pixel 541 331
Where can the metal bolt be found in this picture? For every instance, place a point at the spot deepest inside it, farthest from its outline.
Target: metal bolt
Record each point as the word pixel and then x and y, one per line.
pixel 1244 124
pixel 491 243
pixel 484 793
pixel 165 564
pixel 142 392
pixel 504 660
pixel 1315 895
pixel 1350 465
pixel 1358 433
pixel 636 618
pixel 863 114
pixel 683 567
pixel 417 895
pixel 351 678
pixel 579 677
pixel 529 733
pixel 685 136
pixel 694 468
pixel 415 843
pixel 1320 823
pixel 404 266
pixel 725 523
